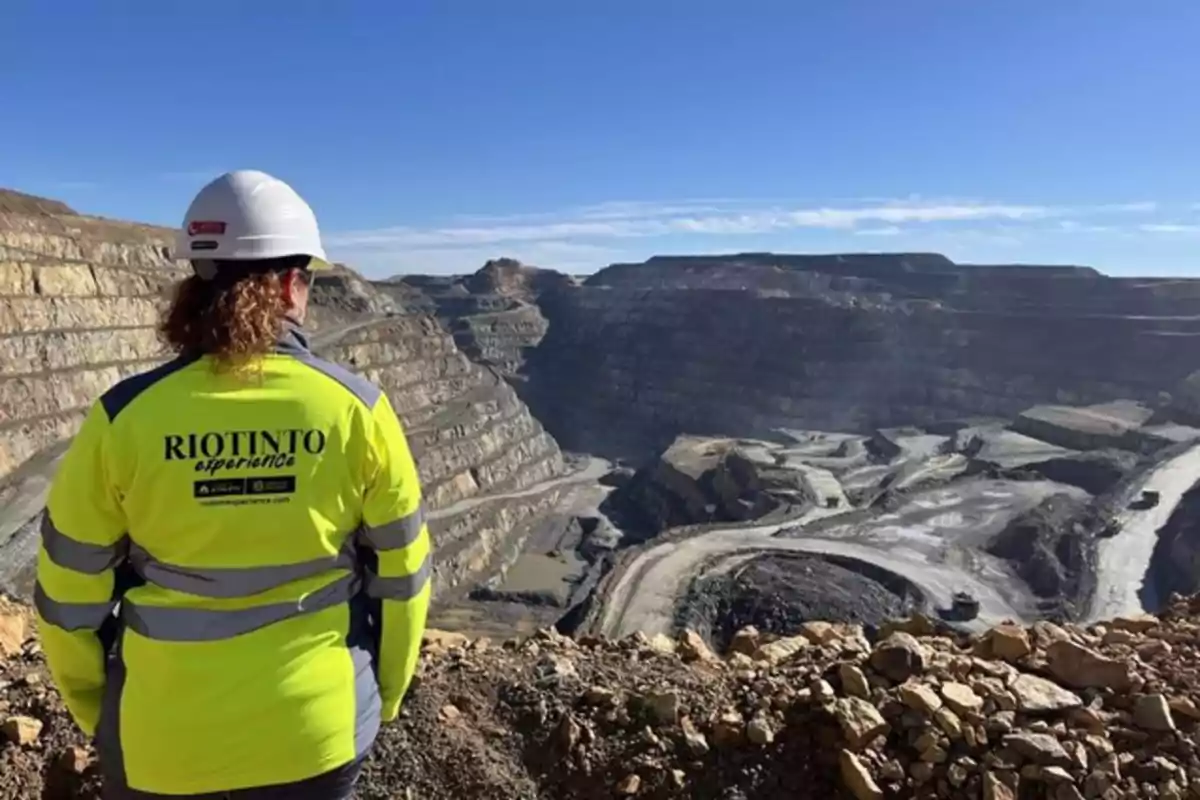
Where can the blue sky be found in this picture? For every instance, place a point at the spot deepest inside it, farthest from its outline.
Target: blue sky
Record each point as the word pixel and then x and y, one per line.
pixel 430 136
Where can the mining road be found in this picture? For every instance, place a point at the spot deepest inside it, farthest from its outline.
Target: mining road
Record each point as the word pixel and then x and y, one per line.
pixel 1123 560
pixel 594 469
pixel 932 541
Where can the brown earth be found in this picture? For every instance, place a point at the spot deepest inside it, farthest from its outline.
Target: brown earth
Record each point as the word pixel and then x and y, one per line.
pixel 1047 712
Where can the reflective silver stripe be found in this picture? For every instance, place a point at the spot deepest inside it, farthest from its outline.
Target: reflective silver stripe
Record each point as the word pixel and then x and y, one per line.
pixel 68 553
pixel 404 587
pixel 71 616
pixel 225 582
pixel 397 533
pixel 206 625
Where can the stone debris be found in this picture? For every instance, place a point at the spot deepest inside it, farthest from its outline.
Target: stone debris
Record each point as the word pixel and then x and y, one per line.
pixel 861 722
pixel 14 628
pixel 1083 668
pixel 759 731
pixel 781 649
pixel 1153 713
pixel 74 760
pixel 1036 695
pixel 857 777
pixel 21 730
pixel 1008 642
pixel 629 785
pixel 745 641
pixel 854 682
pixel 899 657
pixel 692 647
pixel 919 715
pixel 962 699
pixel 920 697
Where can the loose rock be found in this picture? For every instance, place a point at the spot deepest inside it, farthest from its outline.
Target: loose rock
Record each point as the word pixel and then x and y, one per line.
pixel 1009 642
pixel 854 683
pixel 1151 712
pixel 899 657
pixel 1080 667
pixel 920 697
pixel 962 699
pixel 858 779
pixel 14 630
pixel 860 721
pixel 692 647
pixel 1037 695
pixel 21 730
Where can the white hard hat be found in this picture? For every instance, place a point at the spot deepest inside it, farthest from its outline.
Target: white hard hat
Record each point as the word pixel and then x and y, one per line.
pixel 249 215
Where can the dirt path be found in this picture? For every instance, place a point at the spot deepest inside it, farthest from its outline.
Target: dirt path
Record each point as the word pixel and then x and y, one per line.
pixel 928 542
pixel 1122 561
pixel 595 469
pixel 645 598
pixel 332 336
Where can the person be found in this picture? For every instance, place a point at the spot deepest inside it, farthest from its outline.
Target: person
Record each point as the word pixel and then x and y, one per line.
pixel 234 568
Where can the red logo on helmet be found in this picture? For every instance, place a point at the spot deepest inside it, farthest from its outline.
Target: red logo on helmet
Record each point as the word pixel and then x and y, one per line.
pixel 199 227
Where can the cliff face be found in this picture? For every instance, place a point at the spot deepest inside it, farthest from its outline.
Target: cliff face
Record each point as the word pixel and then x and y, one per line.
pixel 492 312
pixel 624 370
pixel 899 277
pixel 79 299
pixel 77 313
pixel 475 442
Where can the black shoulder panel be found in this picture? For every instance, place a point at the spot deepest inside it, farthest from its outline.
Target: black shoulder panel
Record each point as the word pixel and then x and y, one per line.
pixel 357 385
pixel 122 394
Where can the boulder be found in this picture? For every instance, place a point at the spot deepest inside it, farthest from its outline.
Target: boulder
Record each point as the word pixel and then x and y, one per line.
pixel 899 657
pixel 1080 667
pixel 1038 696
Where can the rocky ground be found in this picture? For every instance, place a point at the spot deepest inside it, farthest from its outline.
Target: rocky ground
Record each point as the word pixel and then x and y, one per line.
pixel 1046 712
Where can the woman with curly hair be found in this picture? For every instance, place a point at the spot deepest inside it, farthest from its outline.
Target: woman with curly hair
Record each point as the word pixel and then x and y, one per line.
pixel 234 570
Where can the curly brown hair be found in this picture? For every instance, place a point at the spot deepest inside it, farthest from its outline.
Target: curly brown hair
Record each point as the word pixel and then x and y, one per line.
pixel 233 317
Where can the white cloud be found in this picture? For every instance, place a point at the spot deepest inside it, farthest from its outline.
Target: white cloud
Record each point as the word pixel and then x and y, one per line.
pixel 1169 227
pixel 618 227
pixel 666 221
pixel 1138 207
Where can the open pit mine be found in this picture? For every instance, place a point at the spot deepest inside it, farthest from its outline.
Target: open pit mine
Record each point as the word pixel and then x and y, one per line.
pixel 874 525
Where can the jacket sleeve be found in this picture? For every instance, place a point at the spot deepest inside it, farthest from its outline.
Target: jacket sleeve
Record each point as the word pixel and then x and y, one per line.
pixel 394 528
pixel 83 540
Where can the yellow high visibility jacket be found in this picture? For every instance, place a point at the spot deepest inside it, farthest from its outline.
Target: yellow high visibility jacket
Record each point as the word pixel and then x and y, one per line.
pixel 234 572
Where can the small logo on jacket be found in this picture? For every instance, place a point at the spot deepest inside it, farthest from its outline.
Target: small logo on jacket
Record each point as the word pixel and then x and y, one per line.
pixel 230 487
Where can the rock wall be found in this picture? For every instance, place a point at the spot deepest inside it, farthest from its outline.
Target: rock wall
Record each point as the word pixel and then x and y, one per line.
pixel 625 370
pixel 79 301
pixel 492 312
pixel 501 338
pixel 473 439
pixel 77 313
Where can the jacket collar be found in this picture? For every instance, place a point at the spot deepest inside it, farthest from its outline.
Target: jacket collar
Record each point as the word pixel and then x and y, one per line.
pixel 292 339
